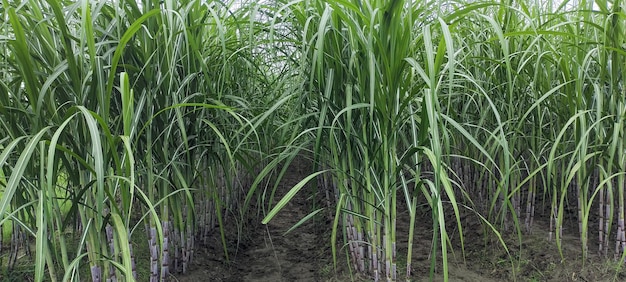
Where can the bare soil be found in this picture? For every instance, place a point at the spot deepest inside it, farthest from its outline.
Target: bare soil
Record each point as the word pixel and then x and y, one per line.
pixel 265 253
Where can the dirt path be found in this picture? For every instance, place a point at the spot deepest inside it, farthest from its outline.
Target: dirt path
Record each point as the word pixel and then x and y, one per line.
pixel 265 253
pixel 276 256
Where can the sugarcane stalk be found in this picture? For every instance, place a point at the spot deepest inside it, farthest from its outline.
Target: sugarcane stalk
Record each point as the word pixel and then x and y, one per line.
pixel 601 222
pixel 15 242
pixel 530 199
pixel 111 243
pixel 132 258
pixel 165 256
pixel 154 255
pixel 96 273
pixel 189 250
pixel 361 251
pixel 409 253
pixel 620 246
pixel 176 245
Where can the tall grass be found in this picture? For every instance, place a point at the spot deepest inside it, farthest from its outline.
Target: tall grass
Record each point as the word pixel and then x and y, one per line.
pixel 360 57
pixel 145 121
pixel 124 102
pixel 498 106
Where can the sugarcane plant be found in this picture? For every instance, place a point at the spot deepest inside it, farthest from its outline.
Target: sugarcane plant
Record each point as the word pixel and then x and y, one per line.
pixel 115 119
pixel 142 128
pixel 505 104
pixel 370 88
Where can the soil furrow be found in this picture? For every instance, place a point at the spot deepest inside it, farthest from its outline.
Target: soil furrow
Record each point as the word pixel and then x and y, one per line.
pixel 265 252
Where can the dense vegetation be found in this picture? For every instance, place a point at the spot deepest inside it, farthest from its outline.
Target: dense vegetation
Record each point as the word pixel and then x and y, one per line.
pixel 124 122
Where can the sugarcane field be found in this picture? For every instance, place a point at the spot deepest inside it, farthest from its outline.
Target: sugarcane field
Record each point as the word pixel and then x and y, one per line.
pixel 312 140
